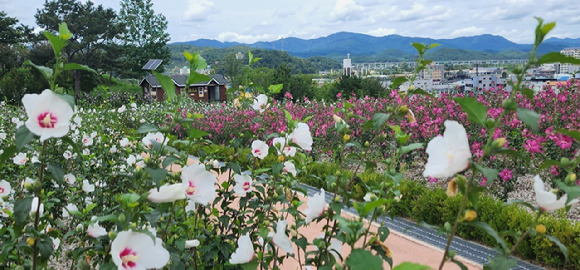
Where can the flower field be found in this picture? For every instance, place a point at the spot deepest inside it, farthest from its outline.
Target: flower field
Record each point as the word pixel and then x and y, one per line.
pixel 97 184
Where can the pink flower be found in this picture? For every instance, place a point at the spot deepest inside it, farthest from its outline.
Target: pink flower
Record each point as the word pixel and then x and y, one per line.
pixel 48 115
pixel 506 175
pixel 532 146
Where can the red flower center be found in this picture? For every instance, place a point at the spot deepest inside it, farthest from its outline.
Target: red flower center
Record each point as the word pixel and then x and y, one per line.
pixel 46 120
pixel 2 190
pixel 191 189
pixel 246 186
pixel 257 152
pixel 129 258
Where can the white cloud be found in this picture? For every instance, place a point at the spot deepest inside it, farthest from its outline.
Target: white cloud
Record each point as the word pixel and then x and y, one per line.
pixel 233 36
pixel 380 32
pixel 197 10
pixel 347 10
pixel 468 31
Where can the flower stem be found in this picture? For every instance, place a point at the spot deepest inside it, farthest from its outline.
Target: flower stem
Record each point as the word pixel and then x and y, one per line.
pixel 527 232
pixel 457 221
pixel 37 214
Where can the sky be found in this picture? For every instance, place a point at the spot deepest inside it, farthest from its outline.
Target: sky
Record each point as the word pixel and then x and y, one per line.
pixel 249 21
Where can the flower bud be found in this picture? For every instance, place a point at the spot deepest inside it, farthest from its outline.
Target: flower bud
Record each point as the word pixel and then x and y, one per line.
pixel 404 109
pixel 541 228
pixel 498 143
pixel 571 178
pixel 489 122
pixel 470 215
pixel 452 188
pixel 565 161
pixel 30 241
pixel 346 137
pixel 509 104
pixel 280 158
pixel 122 217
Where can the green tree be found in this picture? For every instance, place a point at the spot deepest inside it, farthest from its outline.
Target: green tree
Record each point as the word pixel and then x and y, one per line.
pixel 232 68
pixel 12 37
pixel 93 28
pixel 145 36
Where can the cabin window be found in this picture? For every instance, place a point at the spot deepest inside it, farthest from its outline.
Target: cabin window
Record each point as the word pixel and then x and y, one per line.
pixel 200 91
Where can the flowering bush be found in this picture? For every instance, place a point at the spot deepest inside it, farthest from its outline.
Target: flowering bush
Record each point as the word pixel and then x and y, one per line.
pixel 118 184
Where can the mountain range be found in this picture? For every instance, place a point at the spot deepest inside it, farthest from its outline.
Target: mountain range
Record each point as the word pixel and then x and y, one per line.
pixel 339 44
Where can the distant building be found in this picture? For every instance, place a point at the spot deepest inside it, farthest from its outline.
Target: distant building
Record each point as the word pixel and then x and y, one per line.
pixel 433 72
pixel 569 68
pixel 347 65
pixel 204 91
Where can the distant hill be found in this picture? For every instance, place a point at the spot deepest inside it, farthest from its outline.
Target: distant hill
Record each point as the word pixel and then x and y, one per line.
pixel 339 44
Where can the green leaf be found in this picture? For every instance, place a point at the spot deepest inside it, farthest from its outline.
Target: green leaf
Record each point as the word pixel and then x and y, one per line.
pixel 195 77
pixel 575 134
pixel 408 148
pixel 235 167
pixel 420 47
pixel 458 263
pixel 489 173
pixel 167 84
pixel 572 192
pixel 56 171
pixel 130 199
pixel 411 266
pixel 383 233
pixel 529 117
pixel 379 119
pixel 529 93
pixel 63 31
pixel 8 153
pixel 74 66
pixel 188 56
pixel 195 133
pixel 70 142
pixel 521 202
pixel 276 88
pixel 22 210
pixel 68 98
pixel 45 247
pixel 45 71
pixel 146 128
pixel 556 57
pixel 56 42
pixel 560 245
pixel 361 259
pixel 491 232
pixel 370 206
pixel 251 265
pixel 549 163
pixel 398 81
pixel 501 262
pixel 513 153
pixel 476 111
pixel 546 28
pixel 419 91
pixel 157 174
pixel 23 137
pixel 168 161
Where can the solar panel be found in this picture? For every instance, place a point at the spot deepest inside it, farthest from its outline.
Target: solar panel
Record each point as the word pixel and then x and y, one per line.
pixel 153 64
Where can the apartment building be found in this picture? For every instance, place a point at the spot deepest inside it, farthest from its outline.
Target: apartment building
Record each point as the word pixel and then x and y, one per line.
pixel 569 68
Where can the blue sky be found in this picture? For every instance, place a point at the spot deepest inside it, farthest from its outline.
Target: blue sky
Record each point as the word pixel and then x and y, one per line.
pixel 266 20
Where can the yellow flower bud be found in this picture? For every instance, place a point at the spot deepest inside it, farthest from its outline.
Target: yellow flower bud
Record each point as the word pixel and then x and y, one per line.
pixel 541 228
pixel 452 188
pixel 280 158
pixel 346 137
pixel 498 143
pixel 470 215
pixel 30 241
